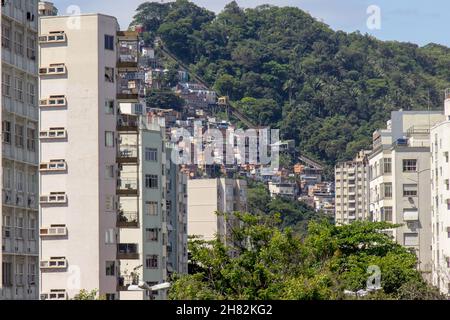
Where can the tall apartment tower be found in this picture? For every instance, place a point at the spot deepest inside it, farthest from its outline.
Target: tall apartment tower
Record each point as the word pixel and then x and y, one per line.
pixel 78 148
pixel 352 189
pixel 19 152
pixel 399 172
pixel 440 200
pixel 208 196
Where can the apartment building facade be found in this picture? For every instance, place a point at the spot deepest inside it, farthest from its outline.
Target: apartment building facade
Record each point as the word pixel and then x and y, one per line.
pixel 352 189
pixel 399 173
pixel 208 196
pixel 78 147
pixel 440 200
pixel 19 153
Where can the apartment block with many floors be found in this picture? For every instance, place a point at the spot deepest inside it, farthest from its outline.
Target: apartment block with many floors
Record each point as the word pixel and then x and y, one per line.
pixel 352 189
pixel 399 173
pixel 440 200
pixel 19 153
pixel 206 197
pixel 78 147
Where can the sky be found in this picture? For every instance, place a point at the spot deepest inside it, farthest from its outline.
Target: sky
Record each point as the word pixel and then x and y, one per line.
pixel 417 21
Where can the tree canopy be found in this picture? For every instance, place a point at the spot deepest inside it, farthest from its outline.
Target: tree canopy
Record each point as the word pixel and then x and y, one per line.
pixel 263 261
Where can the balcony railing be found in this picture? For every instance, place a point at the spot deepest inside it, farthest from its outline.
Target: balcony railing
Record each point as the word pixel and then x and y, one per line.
pixel 127 219
pixel 127 187
pixel 127 154
pixel 127 251
pixel 127 122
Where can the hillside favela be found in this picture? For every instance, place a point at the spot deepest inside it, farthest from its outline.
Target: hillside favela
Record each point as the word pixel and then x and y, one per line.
pixel 224 150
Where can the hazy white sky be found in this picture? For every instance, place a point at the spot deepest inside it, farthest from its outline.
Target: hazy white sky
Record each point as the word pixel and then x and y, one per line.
pixel 405 20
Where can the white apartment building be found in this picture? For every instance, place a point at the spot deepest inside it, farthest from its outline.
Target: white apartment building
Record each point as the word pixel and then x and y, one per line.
pixel 283 189
pixel 152 208
pixel 78 147
pixel 399 173
pixel 19 152
pixel 208 196
pixel 47 8
pixel 352 189
pixel 440 200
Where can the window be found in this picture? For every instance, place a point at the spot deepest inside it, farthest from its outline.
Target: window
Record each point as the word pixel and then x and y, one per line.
pixel 151 234
pixel 31 48
pixel 32 229
pixel 109 139
pixel 387 165
pixel 409 165
pixel 31 93
pixel 109 107
pixel 110 268
pixel 110 236
pixel 152 208
pixel 7 274
pixel 386 214
pixel 31 139
pixel 6 36
pixel 7 178
pixel 18 135
pixel 19 181
pixel 388 190
pixel 6 130
pixel 151 261
pixel 151 154
pixel 109 172
pixel 109 202
pixel 411 239
pixel 109 42
pixel 410 190
pixel 109 74
pixel 151 181
pixel 6 84
pixel 19 89
pixel 18 42
pixel 446 156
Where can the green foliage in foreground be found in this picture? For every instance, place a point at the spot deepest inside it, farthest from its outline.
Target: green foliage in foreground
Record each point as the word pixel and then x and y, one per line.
pixel 266 262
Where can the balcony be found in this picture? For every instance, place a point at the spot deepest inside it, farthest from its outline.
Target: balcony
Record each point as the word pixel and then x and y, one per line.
pixel 53 37
pixel 127 251
pixel 53 102
pixel 127 219
pixel 127 187
pixel 53 69
pixel 54 263
pixel 53 231
pixel 53 198
pixel 127 154
pixel 127 123
pixel 53 133
pixel 55 294
pixel 53 166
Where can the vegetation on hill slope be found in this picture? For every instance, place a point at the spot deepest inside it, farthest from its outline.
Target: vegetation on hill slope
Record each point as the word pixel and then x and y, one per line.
pixel 326 89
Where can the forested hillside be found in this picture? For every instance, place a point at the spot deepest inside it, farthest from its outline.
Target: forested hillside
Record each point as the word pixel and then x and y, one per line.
pixel 326 89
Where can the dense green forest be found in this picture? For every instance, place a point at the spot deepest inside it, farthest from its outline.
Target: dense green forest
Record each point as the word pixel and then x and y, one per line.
pixel 328 90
